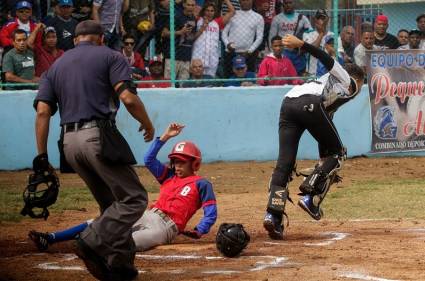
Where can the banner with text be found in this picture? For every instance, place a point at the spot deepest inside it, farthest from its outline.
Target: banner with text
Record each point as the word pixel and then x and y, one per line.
pixel 397 97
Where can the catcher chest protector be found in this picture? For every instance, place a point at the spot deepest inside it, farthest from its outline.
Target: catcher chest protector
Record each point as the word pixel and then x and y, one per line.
pixel 41 192
pixel 231 239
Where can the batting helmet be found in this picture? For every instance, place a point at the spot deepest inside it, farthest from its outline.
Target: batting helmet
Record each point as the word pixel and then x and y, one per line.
pixel 186 151
pixel 231 239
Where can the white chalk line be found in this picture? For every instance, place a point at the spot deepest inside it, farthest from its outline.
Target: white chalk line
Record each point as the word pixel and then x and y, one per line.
pixel 336 237
pixel 275 261
pixel 362 276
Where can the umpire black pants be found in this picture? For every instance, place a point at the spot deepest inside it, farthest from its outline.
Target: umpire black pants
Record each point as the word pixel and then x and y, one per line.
pixel 297 115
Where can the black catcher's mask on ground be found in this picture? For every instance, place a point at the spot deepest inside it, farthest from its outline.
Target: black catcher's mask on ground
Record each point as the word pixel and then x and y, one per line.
pixel 231 239
pixel 42 189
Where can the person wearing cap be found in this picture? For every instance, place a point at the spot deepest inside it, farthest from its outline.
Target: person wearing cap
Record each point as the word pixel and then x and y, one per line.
pixel 22 21
pixel 240 70
pixel 277 65
pixel 330 50
pixel 383 39
pixel 87 84
pixel 181 194
pixel 18 63
pixel 47 52
pixel 291 22
pixel 156 71
pixel 64 24
pixel 420 23
pixel 196 74
pixel 316 37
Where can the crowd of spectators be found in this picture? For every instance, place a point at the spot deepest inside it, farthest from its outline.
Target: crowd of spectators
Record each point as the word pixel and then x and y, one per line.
pixel 235 39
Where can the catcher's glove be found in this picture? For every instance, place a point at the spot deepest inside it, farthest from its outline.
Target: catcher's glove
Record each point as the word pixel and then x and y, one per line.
pixel 231 239
pixel 42 189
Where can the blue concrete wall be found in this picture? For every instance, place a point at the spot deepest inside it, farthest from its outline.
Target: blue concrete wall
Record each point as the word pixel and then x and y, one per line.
pixel 228 124
pixel 403 16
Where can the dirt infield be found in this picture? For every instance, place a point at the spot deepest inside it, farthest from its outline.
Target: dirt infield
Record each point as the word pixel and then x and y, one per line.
pixel 348 249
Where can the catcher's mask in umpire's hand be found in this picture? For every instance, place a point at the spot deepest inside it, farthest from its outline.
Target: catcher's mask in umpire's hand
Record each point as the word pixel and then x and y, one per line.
pixel 42 189
pixel 231 239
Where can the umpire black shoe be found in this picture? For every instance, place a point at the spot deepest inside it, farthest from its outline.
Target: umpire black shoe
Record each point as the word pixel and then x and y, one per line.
pixel 126 273
pixel 41 240
pixel 274 226
pixel 307 204
pixel 95 264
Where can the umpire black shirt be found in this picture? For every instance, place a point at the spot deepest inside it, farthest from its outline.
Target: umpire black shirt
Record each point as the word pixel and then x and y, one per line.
pixel 81 82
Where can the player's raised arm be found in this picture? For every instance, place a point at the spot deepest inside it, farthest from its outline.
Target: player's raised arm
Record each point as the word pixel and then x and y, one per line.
pixel 334 68
pixel 159 170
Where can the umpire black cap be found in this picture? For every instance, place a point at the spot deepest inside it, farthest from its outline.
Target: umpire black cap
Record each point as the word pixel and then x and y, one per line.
pixel 88 27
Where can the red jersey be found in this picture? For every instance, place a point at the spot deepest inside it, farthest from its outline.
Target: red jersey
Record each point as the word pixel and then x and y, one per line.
pixel 180 198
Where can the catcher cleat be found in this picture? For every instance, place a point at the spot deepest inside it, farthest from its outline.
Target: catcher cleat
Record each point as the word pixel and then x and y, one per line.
pixel 307 204
pixel 274 226
pixel 41 240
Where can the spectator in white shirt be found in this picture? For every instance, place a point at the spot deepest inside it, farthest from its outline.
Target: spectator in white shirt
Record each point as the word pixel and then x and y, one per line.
pixel 242 36
pixel 367 40
pixel 317 37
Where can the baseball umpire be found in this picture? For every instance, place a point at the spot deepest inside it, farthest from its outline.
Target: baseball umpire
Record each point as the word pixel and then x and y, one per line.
pixel 87 84
pixel 307 107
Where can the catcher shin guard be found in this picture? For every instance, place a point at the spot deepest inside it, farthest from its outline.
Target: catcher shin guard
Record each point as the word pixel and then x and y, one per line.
pixel 314 183
pixel 277 199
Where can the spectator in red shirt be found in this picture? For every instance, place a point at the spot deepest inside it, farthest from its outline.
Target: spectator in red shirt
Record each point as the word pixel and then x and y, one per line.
pixel 22 21
pixel 156 70
pixel 276 65
pixel 134 58
pixel 46 52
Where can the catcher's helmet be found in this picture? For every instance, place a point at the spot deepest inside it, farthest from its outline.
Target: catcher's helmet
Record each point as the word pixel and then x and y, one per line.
pixel 231 239
pixel 41 192
pixel 185 151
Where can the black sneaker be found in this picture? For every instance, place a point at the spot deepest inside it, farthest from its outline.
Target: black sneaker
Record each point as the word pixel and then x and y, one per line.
pixel 41 240
pixel 274 226
pixel 95 264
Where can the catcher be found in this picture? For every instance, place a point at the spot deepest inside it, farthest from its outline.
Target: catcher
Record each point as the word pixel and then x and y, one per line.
pixel 309 107
pixel 181 194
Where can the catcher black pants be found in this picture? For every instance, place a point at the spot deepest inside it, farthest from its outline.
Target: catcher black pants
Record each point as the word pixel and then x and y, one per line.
pixel 297 115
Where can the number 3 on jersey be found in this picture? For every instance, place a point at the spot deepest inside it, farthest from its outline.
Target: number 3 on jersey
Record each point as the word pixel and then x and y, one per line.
pixel 185 190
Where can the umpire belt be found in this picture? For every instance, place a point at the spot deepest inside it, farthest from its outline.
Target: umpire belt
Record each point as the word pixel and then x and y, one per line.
pixel 73 127
pixel 166 218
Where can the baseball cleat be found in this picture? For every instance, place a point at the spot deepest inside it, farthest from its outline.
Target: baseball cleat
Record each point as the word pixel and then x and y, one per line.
pixel 41 240
pixel 274 226
pixel 307 204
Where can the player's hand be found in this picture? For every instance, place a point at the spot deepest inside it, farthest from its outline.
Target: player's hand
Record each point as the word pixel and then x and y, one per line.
pixel 292 42
pixel 149 131
pixel 194 234
pixel 172 130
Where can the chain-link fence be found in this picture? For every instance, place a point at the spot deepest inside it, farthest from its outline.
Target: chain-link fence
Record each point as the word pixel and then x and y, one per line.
pixel 199 43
